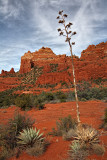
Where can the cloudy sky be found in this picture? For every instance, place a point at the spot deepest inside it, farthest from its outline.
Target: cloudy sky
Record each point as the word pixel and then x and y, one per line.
pixel 30 24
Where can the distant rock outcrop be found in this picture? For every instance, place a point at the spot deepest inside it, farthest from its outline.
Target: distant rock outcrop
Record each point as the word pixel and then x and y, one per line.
pixel 4 73
pixel 91 65
pixel 45 67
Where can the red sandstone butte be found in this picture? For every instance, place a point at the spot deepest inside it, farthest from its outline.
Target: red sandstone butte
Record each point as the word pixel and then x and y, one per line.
pixel 58 68
pixel 91 65
pixel 4 73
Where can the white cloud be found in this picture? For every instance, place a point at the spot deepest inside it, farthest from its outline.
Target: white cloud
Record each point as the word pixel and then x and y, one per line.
pixel 8 9
pixel 88 16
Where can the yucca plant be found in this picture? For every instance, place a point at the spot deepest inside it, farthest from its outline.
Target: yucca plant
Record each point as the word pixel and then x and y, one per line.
pixel 77 151
pixel 86 135
pixel 86 142
pixel 29 137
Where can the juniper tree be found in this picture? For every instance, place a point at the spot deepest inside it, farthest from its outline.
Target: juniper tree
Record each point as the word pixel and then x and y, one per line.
pixel 66 31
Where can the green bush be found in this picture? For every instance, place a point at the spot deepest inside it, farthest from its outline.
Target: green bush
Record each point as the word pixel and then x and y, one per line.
pixel 23 101
pixel 63 126
pixel 49 96
pixel 104 124
pixel 61 96
pixel 77 152
pixel 10 131
pixel 38 103
pixel 93 93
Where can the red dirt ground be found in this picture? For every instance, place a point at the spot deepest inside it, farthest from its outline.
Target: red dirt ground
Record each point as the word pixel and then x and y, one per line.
pixel 91 113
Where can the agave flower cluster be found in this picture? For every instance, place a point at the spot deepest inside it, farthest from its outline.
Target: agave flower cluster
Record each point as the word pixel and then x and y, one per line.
pixel 66 31
pixel 30 136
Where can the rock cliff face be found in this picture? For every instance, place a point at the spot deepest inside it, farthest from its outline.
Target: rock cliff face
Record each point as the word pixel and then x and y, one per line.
pixel 4 73
pixel 58 68
pixel 43 57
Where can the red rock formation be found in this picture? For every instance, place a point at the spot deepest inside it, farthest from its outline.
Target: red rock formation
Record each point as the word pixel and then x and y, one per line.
pixel 57 68
pixel 4 73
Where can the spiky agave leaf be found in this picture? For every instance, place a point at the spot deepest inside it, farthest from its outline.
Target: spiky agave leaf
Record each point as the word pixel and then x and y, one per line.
pixel 29 136
pixel 87 135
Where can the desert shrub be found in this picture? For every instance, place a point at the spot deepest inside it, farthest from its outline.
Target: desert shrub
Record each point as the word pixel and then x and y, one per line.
pixel 38 103
pixel 104 123
pixel 86 135
pixel 98 80
pixel 63 126
pixel 23 101
pixel 69 135
pixel 49 96
pixel 93 93
pixel 6 153
pixel 98 149
pixel 10 131
pixel 70 96
pixel 83 99
pixel 61 96
pixel 34 142
pixel 38 148
pixel 86 142
pixel 105 117
pixel 84 86
pixel 84 94
pixel 77 152
pixel 29 136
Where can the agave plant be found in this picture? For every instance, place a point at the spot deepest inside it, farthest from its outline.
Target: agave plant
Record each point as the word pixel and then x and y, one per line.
pixel 29 136
pixel 77 152
pixel 86 143
pixel 87 135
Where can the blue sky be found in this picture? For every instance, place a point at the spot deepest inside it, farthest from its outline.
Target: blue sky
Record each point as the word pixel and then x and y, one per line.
pixel 30 24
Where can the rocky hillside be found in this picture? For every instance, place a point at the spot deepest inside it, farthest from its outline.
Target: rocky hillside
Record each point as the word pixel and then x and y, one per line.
pixel 45 67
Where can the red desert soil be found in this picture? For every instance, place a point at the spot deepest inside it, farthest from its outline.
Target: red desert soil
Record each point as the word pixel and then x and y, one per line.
pixel 91 113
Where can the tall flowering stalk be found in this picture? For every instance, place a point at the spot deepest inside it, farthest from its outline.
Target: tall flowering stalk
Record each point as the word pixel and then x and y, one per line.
pixel 66 31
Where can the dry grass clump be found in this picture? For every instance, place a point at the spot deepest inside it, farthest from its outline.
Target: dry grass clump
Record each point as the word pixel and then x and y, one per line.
pixel 63 126
pixel 38 148
pixel 86 142
pixel 104 124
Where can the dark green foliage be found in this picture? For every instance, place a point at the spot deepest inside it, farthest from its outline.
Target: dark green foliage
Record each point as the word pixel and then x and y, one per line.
pixel 93 93
pixel 105 117
pixel 104 124
pixel 63 126
pixel 84 86
pixel 99 80
pixel 9 133
pixel 53 67
pixel 23 101
pixel 49 96
pixel 61 96
pixel 38 103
